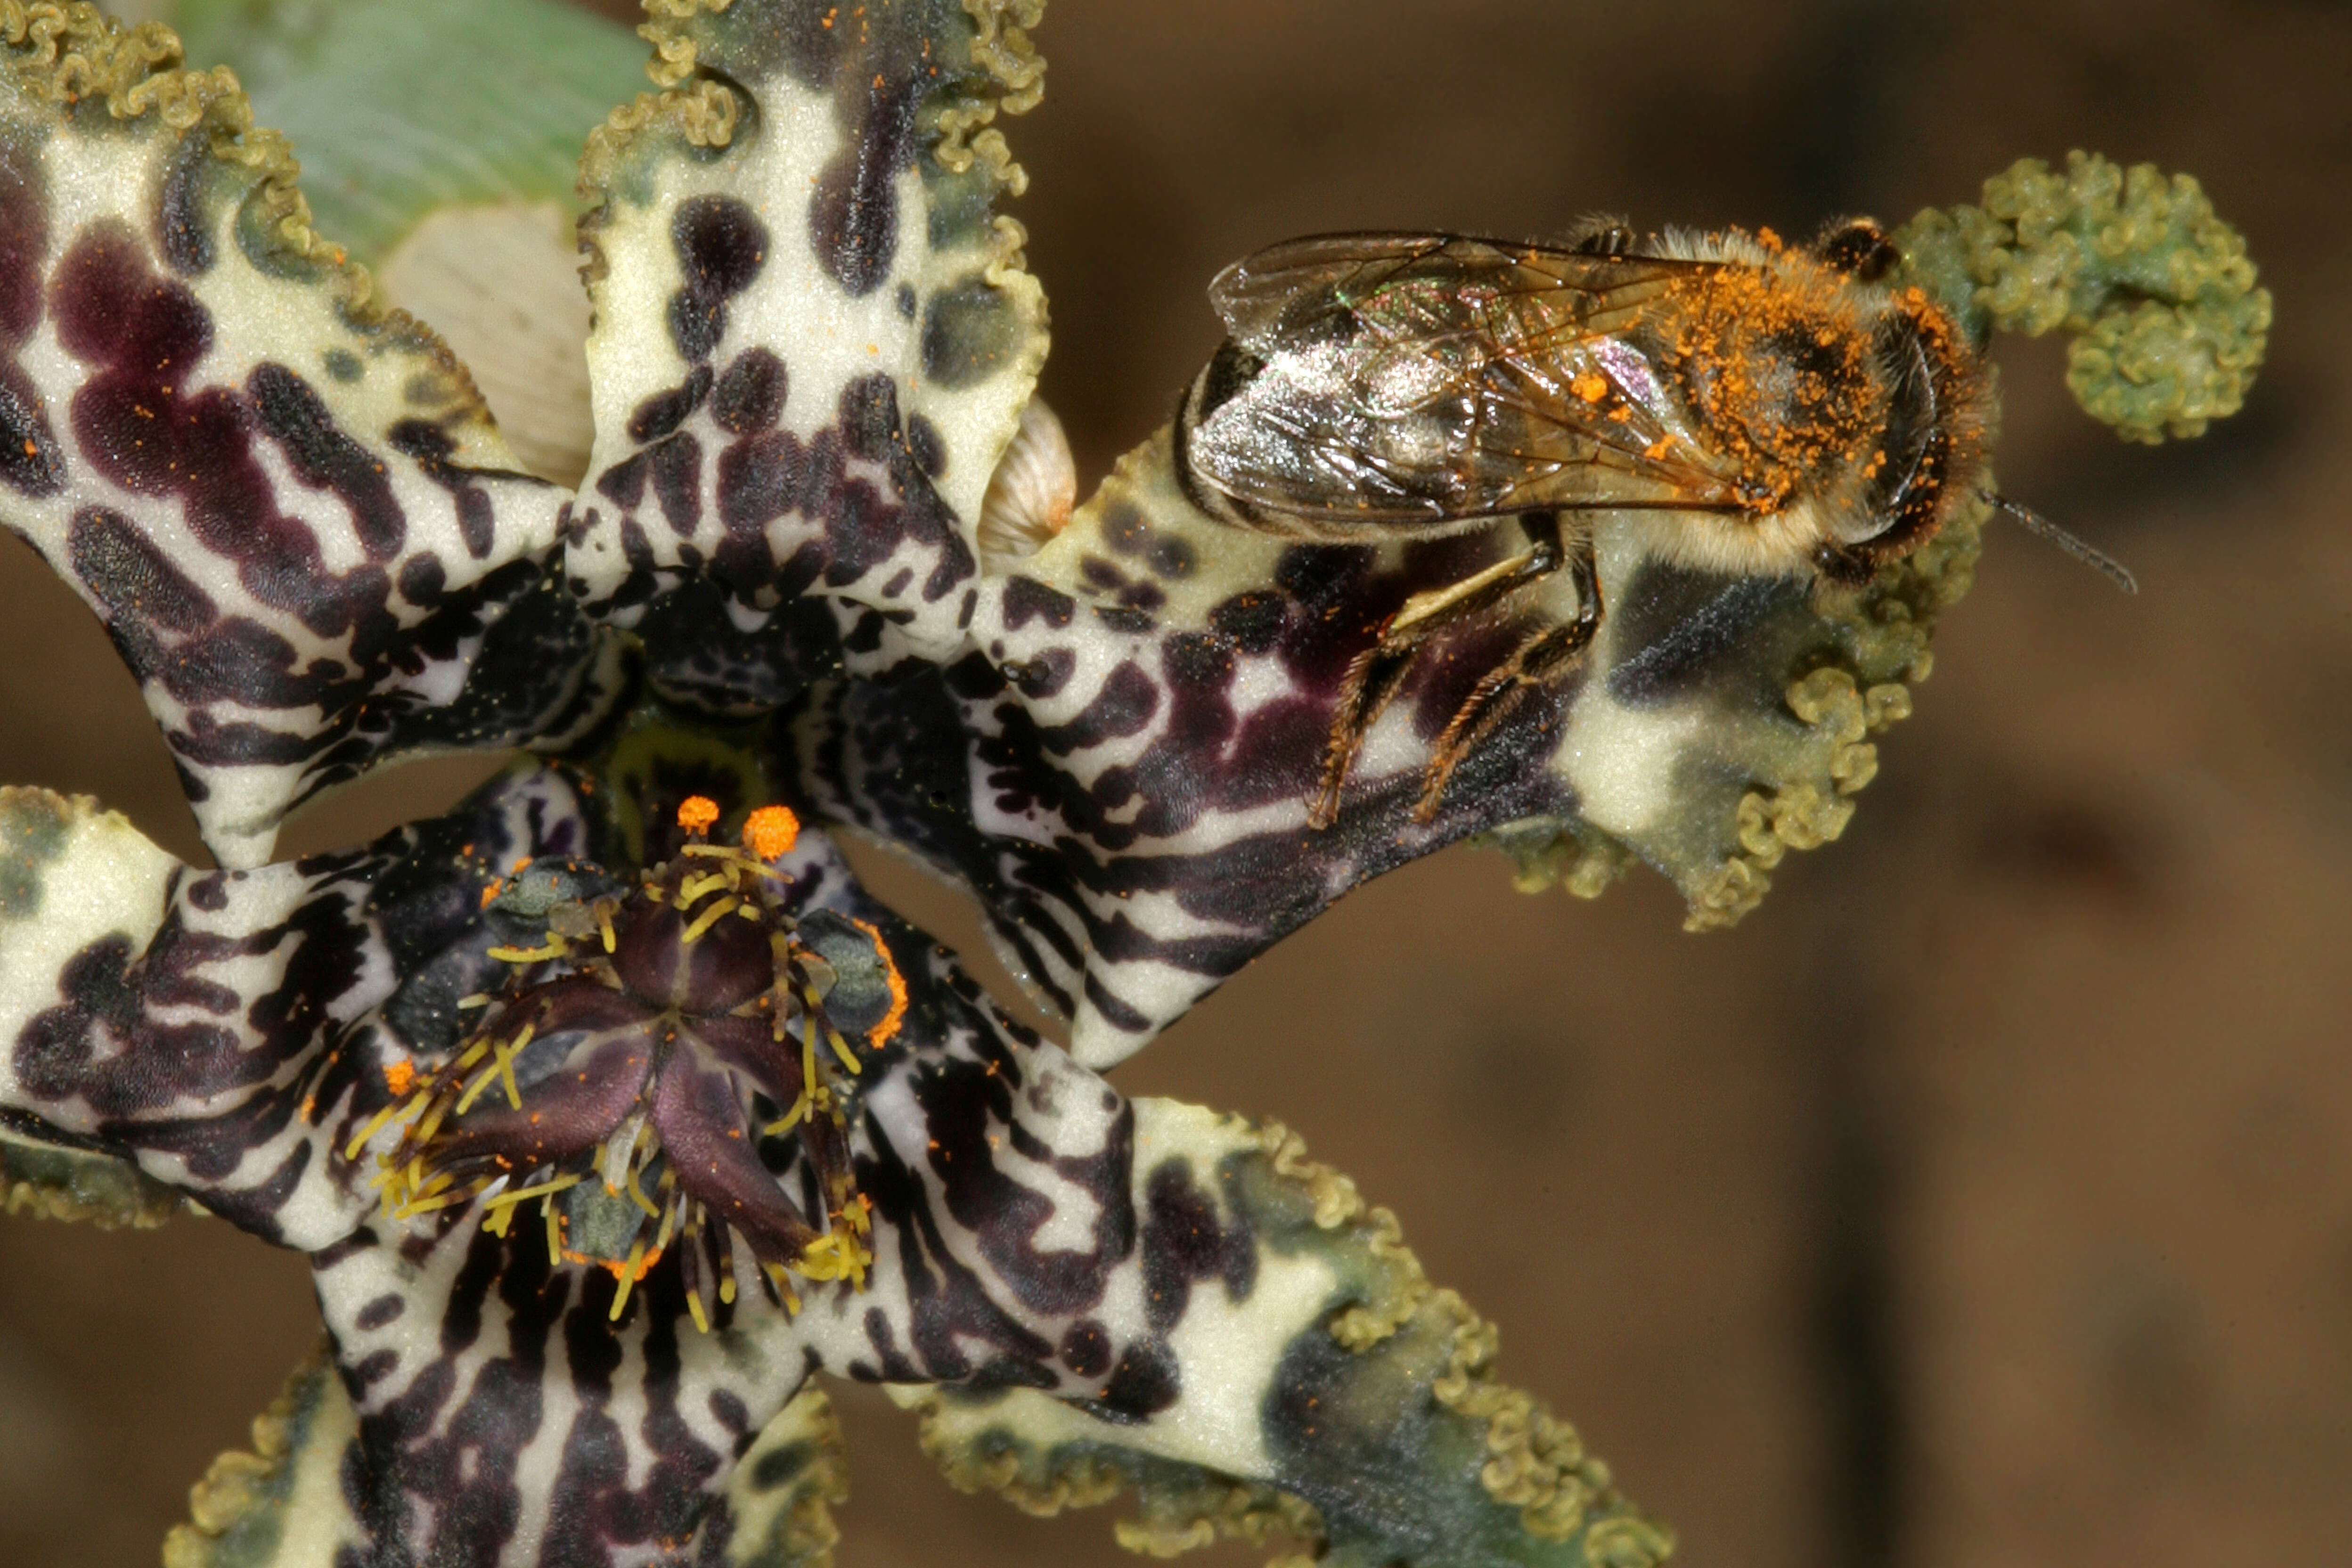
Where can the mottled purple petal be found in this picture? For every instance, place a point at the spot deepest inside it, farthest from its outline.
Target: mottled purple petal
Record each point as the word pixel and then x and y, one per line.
pixel 813 338
pixel 290 511
pixel 230 1030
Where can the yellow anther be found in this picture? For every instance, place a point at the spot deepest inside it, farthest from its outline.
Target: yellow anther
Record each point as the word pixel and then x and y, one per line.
pixel 425 1132
pixel 474 1091
pixel 771 831
pixel 840 1046
pixel 507 1055
pixel 605 925
pixel 775 1273
pixel 697 813
pixel 837 1255
pixel 694 1306
pixel 399 1111
pixel 693 887
pixel 841 1049
pixel 637 1194
pixel 419 1206
pixel 708 917
pixel 555 948
pixel 505 1202
pixel 631 1272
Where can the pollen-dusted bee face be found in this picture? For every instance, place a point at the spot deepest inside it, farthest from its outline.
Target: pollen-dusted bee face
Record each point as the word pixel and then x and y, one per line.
pixel 1852 411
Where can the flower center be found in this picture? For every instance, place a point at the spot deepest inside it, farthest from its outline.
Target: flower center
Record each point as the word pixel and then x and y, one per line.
pixel 664 1075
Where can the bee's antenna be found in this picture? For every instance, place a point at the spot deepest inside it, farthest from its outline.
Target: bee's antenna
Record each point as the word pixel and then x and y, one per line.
pixel 2115 570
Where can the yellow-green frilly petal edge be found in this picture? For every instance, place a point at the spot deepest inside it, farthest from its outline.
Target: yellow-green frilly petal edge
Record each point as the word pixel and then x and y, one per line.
pixel 280 1504
pixel 2169 325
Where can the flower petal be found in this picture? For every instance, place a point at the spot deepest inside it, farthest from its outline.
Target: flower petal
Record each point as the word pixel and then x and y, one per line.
pixel 776 1512
pixel 1203 1305
pixel 813 339
pixel 284 1505
pixel 229 1031
pixel 290 510
pixel 1341 1402
pixel 52 1183
pixel 1122 772
pixel 505 1417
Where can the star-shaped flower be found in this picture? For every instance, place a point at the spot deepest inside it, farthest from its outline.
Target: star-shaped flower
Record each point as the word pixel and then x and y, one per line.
pixel 607 1107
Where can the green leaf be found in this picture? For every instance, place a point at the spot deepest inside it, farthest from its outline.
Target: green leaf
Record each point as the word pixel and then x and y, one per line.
pixel 399 107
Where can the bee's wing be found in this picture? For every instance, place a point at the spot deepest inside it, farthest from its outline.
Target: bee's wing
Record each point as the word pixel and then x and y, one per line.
pixel 1442 282
pixel 1421 378
pixel 1252 295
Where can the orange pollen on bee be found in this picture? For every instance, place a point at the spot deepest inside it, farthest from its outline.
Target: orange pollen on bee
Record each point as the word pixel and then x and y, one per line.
pixel 697 813
pixel 399 1078
pixel 1591 387
pixel 771 831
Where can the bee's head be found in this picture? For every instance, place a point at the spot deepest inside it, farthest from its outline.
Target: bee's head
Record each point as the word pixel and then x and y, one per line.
pixel 1929 452
pixel 1857 248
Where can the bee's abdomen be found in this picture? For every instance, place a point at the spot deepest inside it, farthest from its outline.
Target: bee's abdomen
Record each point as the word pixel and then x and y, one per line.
pixel 1229 370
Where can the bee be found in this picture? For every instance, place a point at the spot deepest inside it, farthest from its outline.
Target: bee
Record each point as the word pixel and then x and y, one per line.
pixel 1757 408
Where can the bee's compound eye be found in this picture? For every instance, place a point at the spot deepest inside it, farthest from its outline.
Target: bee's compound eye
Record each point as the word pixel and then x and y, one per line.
pixel 1857 248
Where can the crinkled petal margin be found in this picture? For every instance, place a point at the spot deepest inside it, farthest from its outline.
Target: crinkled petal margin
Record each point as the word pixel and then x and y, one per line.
pixel 288 506
pixel 814 335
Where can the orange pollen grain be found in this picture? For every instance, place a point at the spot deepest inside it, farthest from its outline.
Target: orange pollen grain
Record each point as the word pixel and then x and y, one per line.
pixel 879 1036
pixel 399 1078
pixel 1591 387
pixel 695 813
pixel 771 831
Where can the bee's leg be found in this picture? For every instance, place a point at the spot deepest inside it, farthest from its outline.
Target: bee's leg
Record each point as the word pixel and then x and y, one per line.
pixel 1375 675
pixel 1535 662
pixel 1372 679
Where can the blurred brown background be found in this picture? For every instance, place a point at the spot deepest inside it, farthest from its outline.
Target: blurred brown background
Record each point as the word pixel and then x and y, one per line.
pixel 1986 1199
